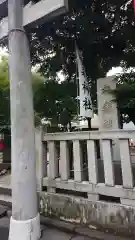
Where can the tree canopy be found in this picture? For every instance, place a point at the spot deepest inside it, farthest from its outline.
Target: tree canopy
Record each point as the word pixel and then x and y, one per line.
pixel 56 101
pixel 52 100
pixel 102 29
pixel 4 93
pixel 125 96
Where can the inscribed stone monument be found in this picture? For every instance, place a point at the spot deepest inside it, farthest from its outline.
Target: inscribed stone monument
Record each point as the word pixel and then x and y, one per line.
pixel 107 110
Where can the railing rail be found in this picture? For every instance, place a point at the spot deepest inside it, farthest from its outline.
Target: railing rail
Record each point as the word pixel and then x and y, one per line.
pixel 92 135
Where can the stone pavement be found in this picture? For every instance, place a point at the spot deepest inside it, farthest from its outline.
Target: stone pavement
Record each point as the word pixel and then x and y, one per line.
pixel 51 233
pixel 47 233
pixel 56 230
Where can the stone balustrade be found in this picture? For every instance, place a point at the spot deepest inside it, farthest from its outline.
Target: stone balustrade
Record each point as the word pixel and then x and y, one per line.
pixel 69 161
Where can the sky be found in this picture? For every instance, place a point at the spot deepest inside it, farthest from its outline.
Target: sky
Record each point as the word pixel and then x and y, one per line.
pixel 114 70
pixel 3 51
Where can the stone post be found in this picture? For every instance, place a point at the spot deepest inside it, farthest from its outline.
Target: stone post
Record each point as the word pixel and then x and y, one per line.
pixel 41 158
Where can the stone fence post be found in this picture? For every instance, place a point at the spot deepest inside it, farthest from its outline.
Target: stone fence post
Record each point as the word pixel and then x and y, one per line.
pixel 41 157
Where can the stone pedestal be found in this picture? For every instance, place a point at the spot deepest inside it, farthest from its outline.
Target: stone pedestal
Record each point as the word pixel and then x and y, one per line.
pixel 107 111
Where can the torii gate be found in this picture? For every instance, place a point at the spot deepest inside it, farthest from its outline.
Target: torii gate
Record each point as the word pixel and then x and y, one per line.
pixel 25 220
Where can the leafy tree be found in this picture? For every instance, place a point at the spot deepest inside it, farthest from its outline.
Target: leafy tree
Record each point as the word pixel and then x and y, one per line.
pixel 56 101
pixel 103 30
pixel 4 93
pixel 125 96
pixel 52 100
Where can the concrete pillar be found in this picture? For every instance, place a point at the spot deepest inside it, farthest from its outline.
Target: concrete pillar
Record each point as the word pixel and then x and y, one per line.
pixel 25 220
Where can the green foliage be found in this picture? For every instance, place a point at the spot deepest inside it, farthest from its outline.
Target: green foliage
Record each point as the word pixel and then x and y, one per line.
pixel 103 31
pixel 52 100
pixel 125 96
pixel 4 93
pixel 56 101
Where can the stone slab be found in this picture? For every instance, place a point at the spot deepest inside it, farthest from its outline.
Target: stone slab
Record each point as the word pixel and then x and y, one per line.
pixel 107 107
pixel 108 111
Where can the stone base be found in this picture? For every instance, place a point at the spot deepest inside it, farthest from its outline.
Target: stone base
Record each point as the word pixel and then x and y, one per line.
pixel 25 230
pixel 109 216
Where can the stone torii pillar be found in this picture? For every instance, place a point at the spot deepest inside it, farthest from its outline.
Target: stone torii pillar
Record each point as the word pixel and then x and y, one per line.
pixel 25 220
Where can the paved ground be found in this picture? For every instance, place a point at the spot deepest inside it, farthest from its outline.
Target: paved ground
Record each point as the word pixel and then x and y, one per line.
pixel 53 234
pixel 50 233
pixel 47 233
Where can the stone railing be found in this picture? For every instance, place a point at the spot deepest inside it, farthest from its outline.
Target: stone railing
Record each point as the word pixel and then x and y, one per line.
pixel 70 162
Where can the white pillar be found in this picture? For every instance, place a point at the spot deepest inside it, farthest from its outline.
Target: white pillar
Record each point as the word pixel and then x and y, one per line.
pixel 25 220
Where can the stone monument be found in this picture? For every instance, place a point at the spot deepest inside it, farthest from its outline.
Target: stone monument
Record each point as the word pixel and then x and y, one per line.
pixel 108 111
